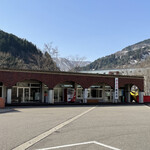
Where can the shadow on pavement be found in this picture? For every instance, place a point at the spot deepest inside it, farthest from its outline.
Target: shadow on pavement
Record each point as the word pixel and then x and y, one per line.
pixel 7 110
pixel 65 105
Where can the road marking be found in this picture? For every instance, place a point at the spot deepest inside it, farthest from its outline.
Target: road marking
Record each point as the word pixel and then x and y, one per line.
pixel 69 145
pixel 49 132
pixel 104 145
pixel 147 106
pixel 77 144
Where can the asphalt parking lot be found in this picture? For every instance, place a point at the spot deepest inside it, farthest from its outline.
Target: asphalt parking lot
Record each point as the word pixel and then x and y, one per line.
pixel 76 127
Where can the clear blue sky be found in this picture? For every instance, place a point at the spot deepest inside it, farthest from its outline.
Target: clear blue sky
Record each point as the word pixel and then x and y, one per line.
pixel 90 28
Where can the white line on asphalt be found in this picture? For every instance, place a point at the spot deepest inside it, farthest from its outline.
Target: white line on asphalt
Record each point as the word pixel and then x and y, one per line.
pixel 78 144
pixel 68 145
pixel 147 106
pixel 47 133
pixel 104 145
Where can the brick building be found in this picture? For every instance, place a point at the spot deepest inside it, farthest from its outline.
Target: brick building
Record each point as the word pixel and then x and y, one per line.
pixel 22 86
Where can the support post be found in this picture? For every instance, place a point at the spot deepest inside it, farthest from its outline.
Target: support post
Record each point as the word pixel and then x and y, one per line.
pixel 113 96
pixel 42 93
pixel 141 97
pixel 85 95
pixel 9 90
pixel 128 94
pixel 51 96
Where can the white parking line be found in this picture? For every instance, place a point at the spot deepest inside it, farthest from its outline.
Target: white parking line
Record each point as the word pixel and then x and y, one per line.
pixel 47 133
pixel 104 145
pixel 147 106
pixel 84 143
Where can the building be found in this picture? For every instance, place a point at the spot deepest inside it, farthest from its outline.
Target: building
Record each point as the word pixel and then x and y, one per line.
pixel 145 72
pixel 24 86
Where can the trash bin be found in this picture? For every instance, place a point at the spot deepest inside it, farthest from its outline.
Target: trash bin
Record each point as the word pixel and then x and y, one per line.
pixel 2 103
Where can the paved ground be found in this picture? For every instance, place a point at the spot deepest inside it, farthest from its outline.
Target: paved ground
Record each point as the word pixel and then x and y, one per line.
pixel 76 127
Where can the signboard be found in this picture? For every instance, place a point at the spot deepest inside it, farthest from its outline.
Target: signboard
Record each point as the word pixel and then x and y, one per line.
pixel 116 89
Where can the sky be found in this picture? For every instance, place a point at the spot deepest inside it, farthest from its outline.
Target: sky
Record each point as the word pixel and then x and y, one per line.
pixel 87 28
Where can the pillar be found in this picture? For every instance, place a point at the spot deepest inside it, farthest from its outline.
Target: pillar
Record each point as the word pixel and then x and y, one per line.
pixel 128 94
pixel 113 97
pixel 9 95
pixel 50 96
pixel 141 97
pixel 3 92
pixel 85 95
pixel 42 93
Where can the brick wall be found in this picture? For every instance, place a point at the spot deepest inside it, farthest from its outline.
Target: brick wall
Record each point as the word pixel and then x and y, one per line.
pixel 51 79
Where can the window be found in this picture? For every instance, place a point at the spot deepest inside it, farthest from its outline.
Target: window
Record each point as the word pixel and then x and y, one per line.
pixel 96 93
pixel 79 93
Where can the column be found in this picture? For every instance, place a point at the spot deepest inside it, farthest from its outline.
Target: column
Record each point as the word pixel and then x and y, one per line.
pixel 42 93
pixel 128 94
pixel 141 97
pixel 51 96
pixel 3 92
pixel 113 96
pixel 85 95
pixel 9 95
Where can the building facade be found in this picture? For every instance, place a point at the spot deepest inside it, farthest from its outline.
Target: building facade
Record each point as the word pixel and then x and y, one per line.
pixel 20 86
pixel 145 72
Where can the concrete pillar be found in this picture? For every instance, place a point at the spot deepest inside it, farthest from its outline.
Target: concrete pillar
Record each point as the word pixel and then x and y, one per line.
pixel 85 95
pixel 141 97
pixel 113 97
pixel 9 96
pixel 128 94
pixel 42 93
pixel 3 94
pixel 51 96
pixel 129 97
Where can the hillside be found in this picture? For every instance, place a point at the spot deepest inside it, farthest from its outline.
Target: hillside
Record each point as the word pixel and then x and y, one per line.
pixel 68 65
pixel 137 55
pixel 17 53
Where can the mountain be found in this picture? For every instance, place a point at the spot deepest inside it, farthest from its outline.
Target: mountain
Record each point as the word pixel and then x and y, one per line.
pixel 68 65
pixel 17 53
pixel 136 55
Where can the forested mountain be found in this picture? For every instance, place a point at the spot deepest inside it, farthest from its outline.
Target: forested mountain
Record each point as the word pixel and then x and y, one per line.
pixel 137 55
pixel 17 53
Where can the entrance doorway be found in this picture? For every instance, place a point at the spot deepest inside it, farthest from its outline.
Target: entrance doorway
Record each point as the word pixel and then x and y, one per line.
pixel 23 94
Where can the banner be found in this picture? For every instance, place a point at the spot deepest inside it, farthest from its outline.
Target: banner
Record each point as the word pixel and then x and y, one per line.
pixel 116 89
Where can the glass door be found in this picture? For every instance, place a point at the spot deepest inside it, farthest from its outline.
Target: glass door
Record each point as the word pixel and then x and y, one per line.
pixel 26 94
pixel 23 94
pixel 20 94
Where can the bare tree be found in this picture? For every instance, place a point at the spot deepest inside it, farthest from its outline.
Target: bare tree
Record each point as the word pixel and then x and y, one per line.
pixel 52 51
pixel 77 62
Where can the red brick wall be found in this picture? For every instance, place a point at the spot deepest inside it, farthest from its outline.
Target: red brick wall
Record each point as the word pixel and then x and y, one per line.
pixel 10 78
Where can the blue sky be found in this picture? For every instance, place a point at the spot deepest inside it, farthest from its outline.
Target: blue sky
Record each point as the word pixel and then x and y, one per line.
pixel 90 28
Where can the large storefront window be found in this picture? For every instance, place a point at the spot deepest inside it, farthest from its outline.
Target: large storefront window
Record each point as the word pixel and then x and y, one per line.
pixel 27 91
pixel 68 92
pixel 102 93
pixel 95 92
pixel 58 95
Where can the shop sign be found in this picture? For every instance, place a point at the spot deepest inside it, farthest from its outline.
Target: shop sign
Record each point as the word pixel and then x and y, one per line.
pixel 116 88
